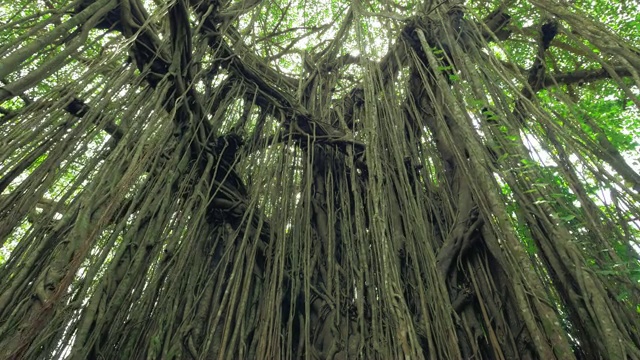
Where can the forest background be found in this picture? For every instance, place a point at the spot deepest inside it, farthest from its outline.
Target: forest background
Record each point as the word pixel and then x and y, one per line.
pixel 319 179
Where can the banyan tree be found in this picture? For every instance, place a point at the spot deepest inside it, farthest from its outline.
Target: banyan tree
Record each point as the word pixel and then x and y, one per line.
pixel 246 179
